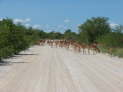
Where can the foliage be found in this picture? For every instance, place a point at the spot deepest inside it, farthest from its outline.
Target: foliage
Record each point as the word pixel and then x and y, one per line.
pixel 15 38
pixel 54 35
pixel 94 28
pixel 112 40
pixel 69 35
pixel 118 52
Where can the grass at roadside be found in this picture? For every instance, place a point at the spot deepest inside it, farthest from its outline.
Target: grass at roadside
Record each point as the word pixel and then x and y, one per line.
pixel 118 52
pixel 115 51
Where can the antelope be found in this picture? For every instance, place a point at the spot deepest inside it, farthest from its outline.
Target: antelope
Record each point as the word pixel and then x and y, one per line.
pixel 94 48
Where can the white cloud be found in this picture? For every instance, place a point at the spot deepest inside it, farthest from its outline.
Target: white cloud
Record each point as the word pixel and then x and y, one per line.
pixel 60 26
pixel 113 24
pixel 27 25
pixel 27 20
pixel 18 21
pixel 1 19
pixel 47 26
pixel 66 20
pixel 21 20
pixel 37 26
pixel 78 25
pixel 49 30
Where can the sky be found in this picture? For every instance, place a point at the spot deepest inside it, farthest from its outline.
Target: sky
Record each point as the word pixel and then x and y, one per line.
pixel 58 15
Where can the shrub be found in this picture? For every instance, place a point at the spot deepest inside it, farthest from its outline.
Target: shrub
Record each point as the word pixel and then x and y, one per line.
pixel 15 38
pixel 111 40
pixel 94 28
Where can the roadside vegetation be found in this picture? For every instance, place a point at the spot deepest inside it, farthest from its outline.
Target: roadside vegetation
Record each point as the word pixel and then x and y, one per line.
pixel 95 30
pixel 98 30
pixel 16 37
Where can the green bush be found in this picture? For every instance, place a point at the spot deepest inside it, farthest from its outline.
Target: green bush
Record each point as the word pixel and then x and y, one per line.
pixel 15 38
pixel 93 28
pixel 111 40
pixel 119 52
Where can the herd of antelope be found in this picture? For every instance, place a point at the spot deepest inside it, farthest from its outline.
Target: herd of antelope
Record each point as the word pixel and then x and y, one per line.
pixel 68 44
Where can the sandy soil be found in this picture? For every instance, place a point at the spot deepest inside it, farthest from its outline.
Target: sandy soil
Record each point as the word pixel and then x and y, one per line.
pixel 45 69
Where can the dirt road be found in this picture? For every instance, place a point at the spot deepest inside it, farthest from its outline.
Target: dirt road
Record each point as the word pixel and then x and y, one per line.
pixel 45 69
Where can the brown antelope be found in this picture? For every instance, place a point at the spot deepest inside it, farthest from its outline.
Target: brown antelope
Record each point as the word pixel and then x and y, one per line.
pixel 93 47
pixel 77 47
pixel 42 42
pixel 110 50
pixel 83 47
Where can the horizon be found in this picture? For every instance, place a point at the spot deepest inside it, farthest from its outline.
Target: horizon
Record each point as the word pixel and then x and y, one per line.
pixel 60 15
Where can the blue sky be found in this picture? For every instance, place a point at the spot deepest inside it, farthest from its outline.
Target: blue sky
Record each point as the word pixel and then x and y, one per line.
pixel 60 14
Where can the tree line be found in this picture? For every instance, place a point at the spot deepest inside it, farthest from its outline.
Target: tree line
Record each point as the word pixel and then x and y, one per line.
pixel 95 30
pixel 98 30
pixel 16 37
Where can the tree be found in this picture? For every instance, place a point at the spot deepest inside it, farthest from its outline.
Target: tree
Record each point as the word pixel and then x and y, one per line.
pixel 42 34
pixel 94 28
pixel 54 35
pixel 112 40
pixel 15 38
pixel 69 35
